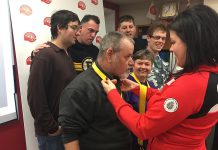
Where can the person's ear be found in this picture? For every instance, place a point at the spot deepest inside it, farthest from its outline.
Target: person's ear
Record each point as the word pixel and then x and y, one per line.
pixel 118 29
pixel 59 29
pixel 148 37
pixel 109 54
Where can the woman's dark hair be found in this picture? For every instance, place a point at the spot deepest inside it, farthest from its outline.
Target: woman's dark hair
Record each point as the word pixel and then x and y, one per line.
pixel 61 19
pixel 197 27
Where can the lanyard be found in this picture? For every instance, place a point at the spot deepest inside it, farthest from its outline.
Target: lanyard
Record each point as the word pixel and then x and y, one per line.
pixel 100 73
pixel 137 80
pixel 142 100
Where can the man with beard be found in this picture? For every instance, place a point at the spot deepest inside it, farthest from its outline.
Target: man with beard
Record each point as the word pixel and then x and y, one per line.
pixel 87 119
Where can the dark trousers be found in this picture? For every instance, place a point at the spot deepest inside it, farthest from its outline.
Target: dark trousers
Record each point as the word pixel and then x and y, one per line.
pixel 50 143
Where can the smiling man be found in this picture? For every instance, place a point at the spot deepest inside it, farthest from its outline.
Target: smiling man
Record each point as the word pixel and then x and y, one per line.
pixel 126 25
pixel 156 37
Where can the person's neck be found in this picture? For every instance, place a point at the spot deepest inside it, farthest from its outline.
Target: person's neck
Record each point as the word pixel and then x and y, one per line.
pixel 142 79
pixel 59 44
pixel 155 53
pixel 79 39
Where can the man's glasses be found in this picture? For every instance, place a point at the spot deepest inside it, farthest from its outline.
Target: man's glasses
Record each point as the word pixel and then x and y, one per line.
pixel 158 37
pixel 74 27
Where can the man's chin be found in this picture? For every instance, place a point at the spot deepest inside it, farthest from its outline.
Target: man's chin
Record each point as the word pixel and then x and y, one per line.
pixel 125 74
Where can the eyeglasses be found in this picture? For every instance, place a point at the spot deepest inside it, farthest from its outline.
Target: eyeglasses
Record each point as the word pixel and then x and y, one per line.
pixel 74 27
pixel 158 37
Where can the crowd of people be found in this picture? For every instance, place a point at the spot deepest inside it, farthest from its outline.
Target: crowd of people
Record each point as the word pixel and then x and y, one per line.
pixel 80 101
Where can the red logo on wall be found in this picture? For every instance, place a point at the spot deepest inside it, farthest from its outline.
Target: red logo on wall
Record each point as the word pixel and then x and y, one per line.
pixel 47 1
pixel 29 36
pixel 26 10
pixel 81 5
pixel 28 60
pixel 98 39
pixel 95 2
pixel 47 21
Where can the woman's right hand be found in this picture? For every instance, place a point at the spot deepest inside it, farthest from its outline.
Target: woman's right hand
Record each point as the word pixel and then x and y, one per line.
pixel 128 85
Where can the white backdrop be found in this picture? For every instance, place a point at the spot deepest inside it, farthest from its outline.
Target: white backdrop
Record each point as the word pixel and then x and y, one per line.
pixel 30 27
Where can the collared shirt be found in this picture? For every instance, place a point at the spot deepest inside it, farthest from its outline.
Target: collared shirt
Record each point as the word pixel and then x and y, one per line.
pixel 51 70
pixel 160 73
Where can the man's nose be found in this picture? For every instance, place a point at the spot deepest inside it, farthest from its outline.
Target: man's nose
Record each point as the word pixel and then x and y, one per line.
pixel 78 33
pixel 131 62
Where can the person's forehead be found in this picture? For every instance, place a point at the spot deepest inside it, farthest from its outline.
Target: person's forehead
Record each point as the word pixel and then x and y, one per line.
pixel 159 32
pixel 144 59
pixel 127 23
pixel 73 23
pixel 90 23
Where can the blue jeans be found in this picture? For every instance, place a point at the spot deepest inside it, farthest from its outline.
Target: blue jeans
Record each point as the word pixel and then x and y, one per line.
pixel 50 143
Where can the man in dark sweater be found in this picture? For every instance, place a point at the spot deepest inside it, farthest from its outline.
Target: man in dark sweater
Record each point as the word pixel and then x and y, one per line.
pixel 50 72
pixel 127 26
pixel 83 53
pixel 87 119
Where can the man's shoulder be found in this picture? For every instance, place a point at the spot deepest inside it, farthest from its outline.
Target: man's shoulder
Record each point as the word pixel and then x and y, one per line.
pixel 86 77
pixel 87 81
pixel 79 46
pixel 140 41
pixel 47 52
pixel 93 47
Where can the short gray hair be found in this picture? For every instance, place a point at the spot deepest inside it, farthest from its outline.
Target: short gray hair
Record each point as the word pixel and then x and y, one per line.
pixel 112 40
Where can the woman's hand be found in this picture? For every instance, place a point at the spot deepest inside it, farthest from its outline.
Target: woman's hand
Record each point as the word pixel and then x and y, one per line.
pixel 128 85
pixel 108 85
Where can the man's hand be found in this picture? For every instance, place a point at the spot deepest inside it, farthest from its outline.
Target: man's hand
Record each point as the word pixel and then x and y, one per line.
pixel 38 48
pixel 74 145
pixel 56 133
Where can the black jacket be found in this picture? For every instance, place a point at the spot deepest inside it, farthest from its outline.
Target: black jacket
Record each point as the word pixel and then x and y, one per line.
pixel 86 115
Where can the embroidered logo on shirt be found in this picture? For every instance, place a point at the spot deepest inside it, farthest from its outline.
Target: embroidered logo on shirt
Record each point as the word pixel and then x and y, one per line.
pixel 170 105
pixel 87 63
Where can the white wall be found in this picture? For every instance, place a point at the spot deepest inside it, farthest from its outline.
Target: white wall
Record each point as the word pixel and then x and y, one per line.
pixel 212 3
pixel 138 11
pixel 109 19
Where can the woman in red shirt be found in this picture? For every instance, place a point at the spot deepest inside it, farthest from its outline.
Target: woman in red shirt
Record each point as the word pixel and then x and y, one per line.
pixel 180 116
